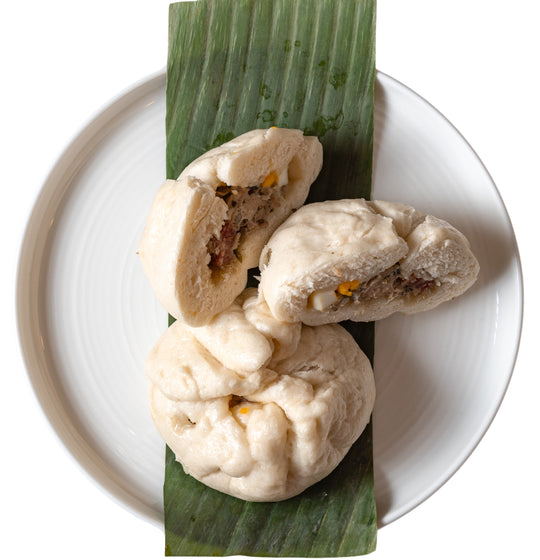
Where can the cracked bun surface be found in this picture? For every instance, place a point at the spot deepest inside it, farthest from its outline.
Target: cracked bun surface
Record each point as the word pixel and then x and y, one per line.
pixel 208 227
pixel 265 419
pixel 362 260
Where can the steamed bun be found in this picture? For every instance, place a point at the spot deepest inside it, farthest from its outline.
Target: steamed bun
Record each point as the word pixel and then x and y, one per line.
pixel 270 421
pixel 208 227
pixel 362 260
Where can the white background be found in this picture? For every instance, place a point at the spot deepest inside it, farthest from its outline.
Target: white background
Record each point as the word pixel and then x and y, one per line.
pixel 474 60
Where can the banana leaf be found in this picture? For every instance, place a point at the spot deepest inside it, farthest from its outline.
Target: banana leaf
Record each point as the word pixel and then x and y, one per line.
pixel 236 65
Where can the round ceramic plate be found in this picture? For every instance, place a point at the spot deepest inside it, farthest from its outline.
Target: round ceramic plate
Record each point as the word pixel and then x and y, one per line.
pixel 88 317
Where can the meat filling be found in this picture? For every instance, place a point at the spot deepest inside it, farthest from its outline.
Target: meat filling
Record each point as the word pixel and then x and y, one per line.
pixel 247 209
pixel 391 284
pixel 388 285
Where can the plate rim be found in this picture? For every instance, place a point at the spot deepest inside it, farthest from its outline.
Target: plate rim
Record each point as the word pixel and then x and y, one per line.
pixel 490 416
pixel 29 347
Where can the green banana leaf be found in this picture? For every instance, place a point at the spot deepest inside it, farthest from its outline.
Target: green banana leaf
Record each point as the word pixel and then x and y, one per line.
pixel 236 65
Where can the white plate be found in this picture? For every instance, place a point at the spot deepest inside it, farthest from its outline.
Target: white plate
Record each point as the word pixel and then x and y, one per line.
pixel 87 315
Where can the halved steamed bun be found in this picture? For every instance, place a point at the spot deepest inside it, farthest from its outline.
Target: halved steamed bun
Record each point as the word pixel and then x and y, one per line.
pixel 207 228
pixel 362 260
pixel 257 408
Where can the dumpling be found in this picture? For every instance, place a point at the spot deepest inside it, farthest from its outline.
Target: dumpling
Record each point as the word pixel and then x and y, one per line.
pixel 207 228
pixel 362 260
pixel 264 434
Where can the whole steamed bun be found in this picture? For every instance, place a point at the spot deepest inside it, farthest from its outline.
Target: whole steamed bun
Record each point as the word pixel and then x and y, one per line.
pixel 257 408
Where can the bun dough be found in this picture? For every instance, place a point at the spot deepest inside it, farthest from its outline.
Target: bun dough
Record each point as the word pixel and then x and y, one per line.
pixel 362 260
pixel 190 225
pixel 264 434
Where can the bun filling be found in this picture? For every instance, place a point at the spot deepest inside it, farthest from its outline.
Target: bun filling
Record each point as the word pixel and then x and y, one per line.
pixel 388 285
pixel 247 210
